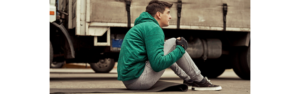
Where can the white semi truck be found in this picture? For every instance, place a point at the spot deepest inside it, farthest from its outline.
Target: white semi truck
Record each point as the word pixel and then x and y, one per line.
pixel 92 31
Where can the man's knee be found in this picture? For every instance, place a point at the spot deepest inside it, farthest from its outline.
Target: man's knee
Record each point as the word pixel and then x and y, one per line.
pixel 169 45
pixel 171 40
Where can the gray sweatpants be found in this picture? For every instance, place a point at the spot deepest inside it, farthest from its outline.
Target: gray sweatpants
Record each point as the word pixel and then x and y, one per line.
pixel 185 68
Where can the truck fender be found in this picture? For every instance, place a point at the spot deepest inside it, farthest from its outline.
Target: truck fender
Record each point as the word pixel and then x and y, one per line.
pixel 65 32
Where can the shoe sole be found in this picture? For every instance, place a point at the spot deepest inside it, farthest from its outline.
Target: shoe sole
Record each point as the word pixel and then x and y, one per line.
pixel 206 88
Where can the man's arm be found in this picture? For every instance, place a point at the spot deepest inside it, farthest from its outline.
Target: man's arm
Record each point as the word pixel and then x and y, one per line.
pixel 154 41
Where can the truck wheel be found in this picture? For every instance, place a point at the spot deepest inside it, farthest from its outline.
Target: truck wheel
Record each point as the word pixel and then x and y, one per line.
pixel 54 64
pixel 211 68
pixel 241 63
pixel 212 73
pixel 245 60
pixel 51 53
pixel 103 65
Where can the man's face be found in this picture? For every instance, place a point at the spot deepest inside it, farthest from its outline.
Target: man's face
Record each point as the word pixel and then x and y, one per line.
pixel 165 17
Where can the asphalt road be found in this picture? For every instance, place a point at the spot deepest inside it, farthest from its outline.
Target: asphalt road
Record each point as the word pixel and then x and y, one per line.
pixel 86 78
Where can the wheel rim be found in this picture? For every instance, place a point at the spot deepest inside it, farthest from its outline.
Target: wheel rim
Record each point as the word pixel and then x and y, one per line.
pixel 56 64
pixel 104 63
pixel 53 63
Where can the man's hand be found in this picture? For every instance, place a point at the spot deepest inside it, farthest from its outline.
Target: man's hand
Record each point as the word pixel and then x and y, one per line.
pixel 182 42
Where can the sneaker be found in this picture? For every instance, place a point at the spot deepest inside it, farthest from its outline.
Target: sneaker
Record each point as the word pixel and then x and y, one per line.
pixel 189 83
pixel 205 84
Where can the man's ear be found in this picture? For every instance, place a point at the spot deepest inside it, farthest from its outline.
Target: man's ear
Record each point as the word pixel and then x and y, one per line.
pixel 157 14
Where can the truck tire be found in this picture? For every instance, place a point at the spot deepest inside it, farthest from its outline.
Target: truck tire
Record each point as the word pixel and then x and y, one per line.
pixel 54 64
pixel 212 72
pixel 211 68
pixel 241 63
pixel 245 60
pixel 51 53
pixel 103 65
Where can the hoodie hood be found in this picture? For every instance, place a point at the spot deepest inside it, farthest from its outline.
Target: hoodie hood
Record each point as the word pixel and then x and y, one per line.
pixel 144 17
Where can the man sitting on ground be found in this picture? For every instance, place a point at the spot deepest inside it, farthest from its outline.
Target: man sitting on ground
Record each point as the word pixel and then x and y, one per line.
pixel 144 55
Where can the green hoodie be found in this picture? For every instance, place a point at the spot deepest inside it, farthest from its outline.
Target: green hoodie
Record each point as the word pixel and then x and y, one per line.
pixel 144 41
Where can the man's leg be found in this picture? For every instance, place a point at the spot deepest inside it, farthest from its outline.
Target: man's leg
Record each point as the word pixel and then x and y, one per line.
pixel 187 70
pixel 146 80
pixel 150 77
pixel 185 65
